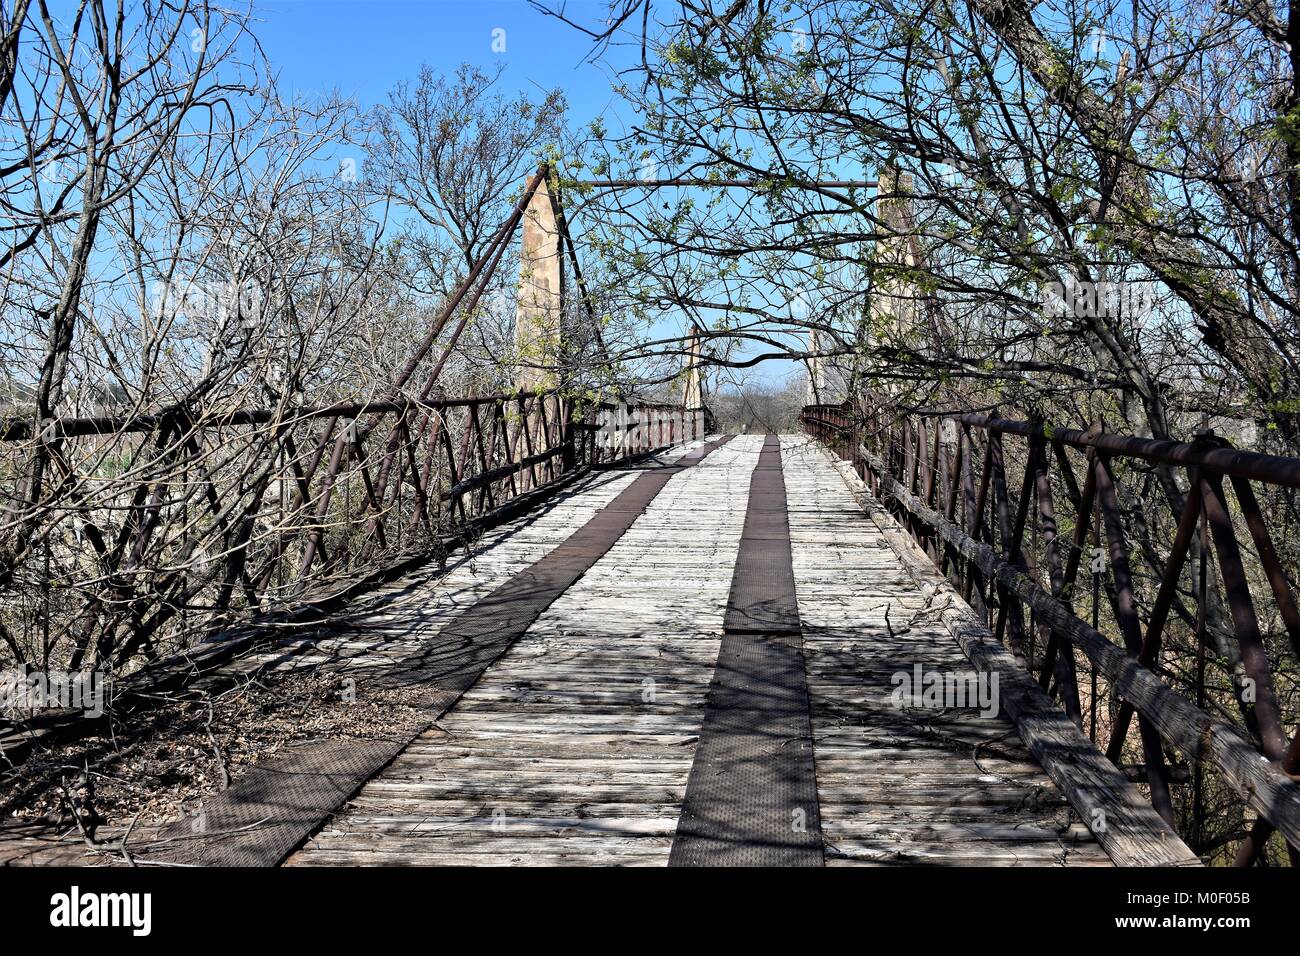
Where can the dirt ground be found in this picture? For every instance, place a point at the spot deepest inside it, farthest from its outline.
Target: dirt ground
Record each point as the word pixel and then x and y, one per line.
pixel 159 765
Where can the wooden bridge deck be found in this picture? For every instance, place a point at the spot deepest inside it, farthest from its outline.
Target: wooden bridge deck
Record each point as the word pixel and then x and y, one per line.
pixel 577 744
pixel 577 740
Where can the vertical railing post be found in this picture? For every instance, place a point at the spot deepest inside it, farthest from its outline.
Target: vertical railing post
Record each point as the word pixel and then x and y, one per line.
pixel 1131 629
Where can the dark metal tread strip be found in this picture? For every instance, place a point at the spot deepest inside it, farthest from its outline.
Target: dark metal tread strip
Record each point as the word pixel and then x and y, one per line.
pixel 278 804
pixel 751 797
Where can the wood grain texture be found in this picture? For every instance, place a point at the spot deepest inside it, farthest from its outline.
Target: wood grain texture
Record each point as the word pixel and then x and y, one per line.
pixel 385 628
pixel 904 784
pixel 1123 821
pixel 574 748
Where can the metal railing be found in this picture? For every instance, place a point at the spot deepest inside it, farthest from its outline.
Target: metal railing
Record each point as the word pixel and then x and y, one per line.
pixel 124 538
pixel 151 547
pixel 150 527
pixel 949 479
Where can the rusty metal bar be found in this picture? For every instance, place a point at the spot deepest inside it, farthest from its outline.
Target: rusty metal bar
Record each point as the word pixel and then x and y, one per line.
pixel 1231 462
pixel 894 476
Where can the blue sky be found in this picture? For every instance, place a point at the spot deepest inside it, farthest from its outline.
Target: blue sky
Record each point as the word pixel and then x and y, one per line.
pixel 363 48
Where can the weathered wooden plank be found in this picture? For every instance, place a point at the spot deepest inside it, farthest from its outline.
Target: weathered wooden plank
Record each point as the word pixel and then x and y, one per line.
pixel 903 785
pixel 589 723
pixel 558 757
pixel 1126 826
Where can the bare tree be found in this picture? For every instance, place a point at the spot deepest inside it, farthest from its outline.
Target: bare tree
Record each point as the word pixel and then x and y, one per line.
pixel 1083 212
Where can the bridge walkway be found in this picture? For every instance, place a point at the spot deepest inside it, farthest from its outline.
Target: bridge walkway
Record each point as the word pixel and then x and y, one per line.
pixel 577 745
pixel 702 659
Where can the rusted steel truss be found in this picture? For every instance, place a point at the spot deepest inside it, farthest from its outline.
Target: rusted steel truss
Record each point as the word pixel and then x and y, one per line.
pixel 947 479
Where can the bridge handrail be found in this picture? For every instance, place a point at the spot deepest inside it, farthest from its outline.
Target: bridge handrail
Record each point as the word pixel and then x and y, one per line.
pixel 133 537
pixel 18 428
pixel 229 514
pixel 974 528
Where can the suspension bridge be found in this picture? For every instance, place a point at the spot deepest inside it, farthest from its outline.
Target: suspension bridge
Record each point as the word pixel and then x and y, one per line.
pixel 616 637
